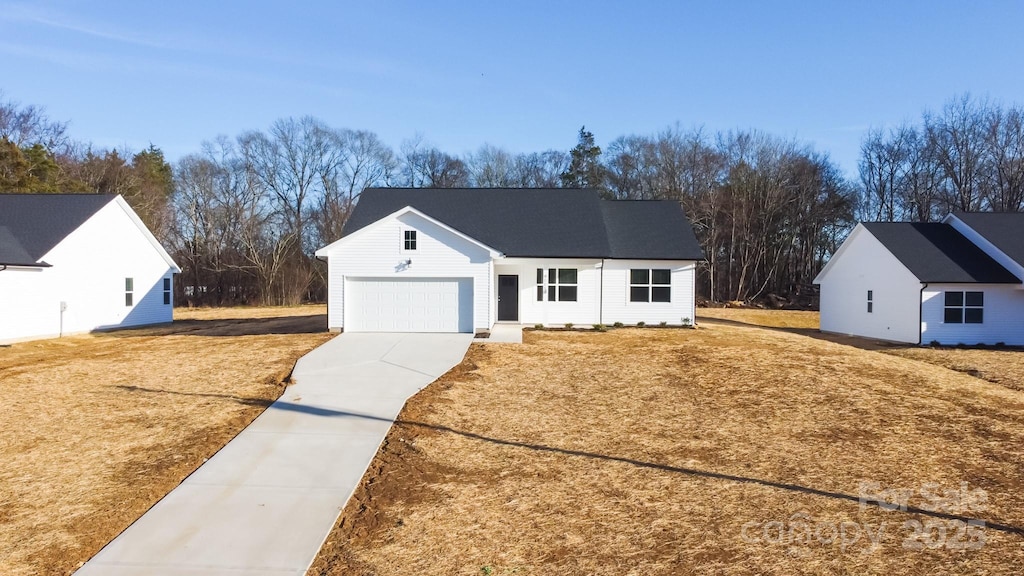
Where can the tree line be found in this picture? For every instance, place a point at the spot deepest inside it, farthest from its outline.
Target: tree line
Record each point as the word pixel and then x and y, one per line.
pixel 244 214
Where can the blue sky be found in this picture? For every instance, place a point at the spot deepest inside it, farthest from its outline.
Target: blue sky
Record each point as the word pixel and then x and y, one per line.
pixel 522 75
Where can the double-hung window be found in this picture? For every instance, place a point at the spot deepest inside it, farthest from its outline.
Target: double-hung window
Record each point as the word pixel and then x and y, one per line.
pixel 964 308
pixel 129 291
pixel 871 301
pixel 167 291
pixel 650 285
pixel 409 240
pixel 559 284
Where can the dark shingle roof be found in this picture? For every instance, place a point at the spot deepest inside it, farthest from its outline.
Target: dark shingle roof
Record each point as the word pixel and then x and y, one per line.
pixel 936 252
pixel 32 224
pixel 1005 230
pixel 543 223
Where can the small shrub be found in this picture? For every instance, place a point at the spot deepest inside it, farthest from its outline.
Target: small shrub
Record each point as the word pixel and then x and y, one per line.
pixel 486 570
pixel 934 344
pixel 568 325
pixel 538 326
pixel 640 324
pixel 600 327
pixel 687 322
pixel 1000 345
pixel 663 324
pixel 618 325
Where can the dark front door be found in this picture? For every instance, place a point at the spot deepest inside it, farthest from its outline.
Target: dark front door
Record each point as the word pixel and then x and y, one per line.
pixel 508 298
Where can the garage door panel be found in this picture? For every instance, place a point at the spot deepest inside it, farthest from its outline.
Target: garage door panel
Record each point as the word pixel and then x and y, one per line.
pixel 409 305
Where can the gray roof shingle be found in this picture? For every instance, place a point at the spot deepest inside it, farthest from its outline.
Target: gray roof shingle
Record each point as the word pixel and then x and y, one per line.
pixel 32 224
pixel 544 223
pixel 936 252
pixel 1005 230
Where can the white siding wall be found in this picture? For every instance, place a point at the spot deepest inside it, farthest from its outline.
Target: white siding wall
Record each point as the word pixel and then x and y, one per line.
pixel 1003 316
pixel 615 287
pixel 618 308
pixel 376 252
pixel 584 311
pixel 88 272
pixel 862 263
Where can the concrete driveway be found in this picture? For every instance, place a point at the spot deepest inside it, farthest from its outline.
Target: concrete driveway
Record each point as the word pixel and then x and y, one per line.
pixel 265 503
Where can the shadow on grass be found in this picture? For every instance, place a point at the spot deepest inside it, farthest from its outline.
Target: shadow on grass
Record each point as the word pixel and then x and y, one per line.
pixel 312 324
pixel 260 402
pixel 283 405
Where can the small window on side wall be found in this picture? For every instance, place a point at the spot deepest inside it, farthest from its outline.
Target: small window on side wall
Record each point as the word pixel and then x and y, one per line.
pixel 871 301
pixel 409 240
pixel 167 291
pixel 129 291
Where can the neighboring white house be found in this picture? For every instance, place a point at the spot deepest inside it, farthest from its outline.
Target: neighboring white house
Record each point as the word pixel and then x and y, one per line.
pixel 953 282
pixel 72 263
pixel 460 260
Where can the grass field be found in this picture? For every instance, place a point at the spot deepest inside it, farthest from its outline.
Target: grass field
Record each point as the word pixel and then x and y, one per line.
pixel 95 429
pixel 727 449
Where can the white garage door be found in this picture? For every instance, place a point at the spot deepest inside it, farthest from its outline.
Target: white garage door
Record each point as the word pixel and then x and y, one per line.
pixel 409 305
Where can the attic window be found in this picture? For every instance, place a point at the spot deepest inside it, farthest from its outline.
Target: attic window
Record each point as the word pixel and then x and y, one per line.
pixel 650 285
pixel 964 308
pixel 409 240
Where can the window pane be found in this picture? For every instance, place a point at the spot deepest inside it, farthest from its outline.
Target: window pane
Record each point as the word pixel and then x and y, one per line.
pixel 661 294
pixel 871 294
pixel 661 276
pixel 167 298
pixel 167 283
pixel 975 298
pixel 552 278
pixel 954 298
pixel 973 315
pixel 128 299
pixel 639 277
pixel 540 275
pixel 639 294
pixel 551 293
pixel 540 293
pixel 567 293
pixel 954 316
pixel 871 307
pixel 129 284
pixel 566 275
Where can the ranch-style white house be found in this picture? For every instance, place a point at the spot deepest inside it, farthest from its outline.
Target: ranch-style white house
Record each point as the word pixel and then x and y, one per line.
pixel 460 260
pixel 73 263
pixel 953 282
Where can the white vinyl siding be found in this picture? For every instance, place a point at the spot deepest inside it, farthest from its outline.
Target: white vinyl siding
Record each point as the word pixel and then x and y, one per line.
pixel 373 253
pixel 618 306
pixel 88 273
pixel 1003 316
pixel 862 263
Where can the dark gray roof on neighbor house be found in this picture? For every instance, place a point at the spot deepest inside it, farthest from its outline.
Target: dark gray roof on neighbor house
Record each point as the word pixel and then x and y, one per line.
pixel 543 223
pixel 936 252
pixel 1005 230
pixel 32 224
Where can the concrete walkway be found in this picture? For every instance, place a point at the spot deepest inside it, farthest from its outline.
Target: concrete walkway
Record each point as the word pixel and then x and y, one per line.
pixel 264 504
pixel 504 334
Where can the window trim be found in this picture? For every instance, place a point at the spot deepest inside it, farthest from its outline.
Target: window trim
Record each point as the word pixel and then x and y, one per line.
pixel 408 240
pixel 550 285
pixel 963 308
pixel 649 286
pixel 871 301
pixel 167 291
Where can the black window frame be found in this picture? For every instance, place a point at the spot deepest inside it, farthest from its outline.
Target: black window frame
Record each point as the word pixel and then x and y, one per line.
pixel 963 307
pixel 650 285
pixel 871 301
pixel 558 284
pixel 167 291
pixel 129 292
pixel 409 240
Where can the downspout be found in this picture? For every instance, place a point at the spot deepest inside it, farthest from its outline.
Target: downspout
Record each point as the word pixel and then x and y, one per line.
pixel 3 267
pixel 600 297
pixel 920 312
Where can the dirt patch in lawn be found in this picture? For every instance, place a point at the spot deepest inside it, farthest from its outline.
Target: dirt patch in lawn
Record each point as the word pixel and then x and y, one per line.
pixel 95 429
pixel 726 449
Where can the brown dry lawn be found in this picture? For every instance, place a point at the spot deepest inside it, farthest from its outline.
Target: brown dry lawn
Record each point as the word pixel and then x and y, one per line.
pixel 664 451
pixel 95 429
